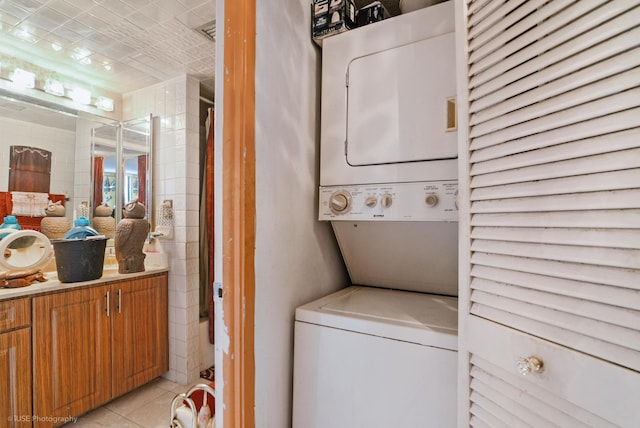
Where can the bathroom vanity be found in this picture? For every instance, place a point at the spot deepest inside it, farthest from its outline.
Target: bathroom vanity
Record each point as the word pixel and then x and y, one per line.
pixel 15 360
pixel 68 348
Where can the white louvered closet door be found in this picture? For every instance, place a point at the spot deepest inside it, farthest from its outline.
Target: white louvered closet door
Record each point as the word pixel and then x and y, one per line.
pixel 549 96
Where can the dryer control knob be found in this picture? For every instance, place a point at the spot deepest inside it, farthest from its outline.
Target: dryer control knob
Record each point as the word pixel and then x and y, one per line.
pixel 431 199
pixel 371 201
pixel 340 202
pixel 386 201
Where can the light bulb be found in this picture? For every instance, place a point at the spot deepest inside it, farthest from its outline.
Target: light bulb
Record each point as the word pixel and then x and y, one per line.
pixel 54 87
pixel 80 96
pixel 23 79
pixel 104 103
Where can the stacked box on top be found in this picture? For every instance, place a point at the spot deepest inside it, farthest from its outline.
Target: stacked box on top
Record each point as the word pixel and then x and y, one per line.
pixel 373 12
pixel 332 17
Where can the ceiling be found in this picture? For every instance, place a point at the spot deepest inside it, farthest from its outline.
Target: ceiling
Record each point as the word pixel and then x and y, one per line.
pixel 117 45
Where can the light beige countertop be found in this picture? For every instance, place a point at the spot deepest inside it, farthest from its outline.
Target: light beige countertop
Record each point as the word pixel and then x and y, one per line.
pixel 52 284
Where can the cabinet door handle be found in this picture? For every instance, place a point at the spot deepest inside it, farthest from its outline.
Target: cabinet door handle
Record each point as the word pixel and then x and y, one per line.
pixel 106 296
pixel 119 300
pixel 529 365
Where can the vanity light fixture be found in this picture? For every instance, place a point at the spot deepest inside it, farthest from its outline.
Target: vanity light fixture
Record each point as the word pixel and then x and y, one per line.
pixel 41 80
pixel 104 103
pixel 23 78
pixel 56 46
pixel 80 96
pixel 54 87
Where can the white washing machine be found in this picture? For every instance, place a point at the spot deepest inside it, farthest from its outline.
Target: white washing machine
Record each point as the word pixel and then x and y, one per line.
pixel 374 358
pixel 384 354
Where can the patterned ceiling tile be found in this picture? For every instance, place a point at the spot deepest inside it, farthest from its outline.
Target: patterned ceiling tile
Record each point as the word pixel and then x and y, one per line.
pixel 140 40
pixel 144 41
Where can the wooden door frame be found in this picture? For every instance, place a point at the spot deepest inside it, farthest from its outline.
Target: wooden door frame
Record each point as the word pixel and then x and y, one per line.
pixel 238 212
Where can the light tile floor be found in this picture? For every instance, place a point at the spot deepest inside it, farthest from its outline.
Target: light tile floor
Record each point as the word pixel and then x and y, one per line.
pixel 148 406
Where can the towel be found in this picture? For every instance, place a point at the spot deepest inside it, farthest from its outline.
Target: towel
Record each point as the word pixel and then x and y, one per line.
pixel 29 203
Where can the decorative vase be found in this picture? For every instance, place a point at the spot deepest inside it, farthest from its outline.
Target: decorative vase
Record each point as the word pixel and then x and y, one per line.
pixel 9 225
pixel 131 234
pixel 55 225
pixel 105 226
pixel 103 210
pixel 103 222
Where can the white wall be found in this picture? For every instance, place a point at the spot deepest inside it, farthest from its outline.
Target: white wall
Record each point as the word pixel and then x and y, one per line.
pixel 296 258
pixel 175 106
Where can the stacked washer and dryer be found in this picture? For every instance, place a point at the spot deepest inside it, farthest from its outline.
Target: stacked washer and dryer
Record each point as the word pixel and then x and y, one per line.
pixel 382 352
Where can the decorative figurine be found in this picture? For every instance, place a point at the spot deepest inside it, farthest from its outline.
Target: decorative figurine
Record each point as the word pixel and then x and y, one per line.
pixel 55 225
pixel 131 234
pixel 83 209
pixel 103 222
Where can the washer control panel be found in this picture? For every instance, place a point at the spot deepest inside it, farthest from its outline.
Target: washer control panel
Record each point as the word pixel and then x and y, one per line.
pixel 424 201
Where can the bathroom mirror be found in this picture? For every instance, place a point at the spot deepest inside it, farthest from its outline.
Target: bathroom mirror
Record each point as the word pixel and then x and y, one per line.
pixel 24 249
pixel 76 139
pixel 136 160
pixel 58 129
pixel 104 168
pixel 121 164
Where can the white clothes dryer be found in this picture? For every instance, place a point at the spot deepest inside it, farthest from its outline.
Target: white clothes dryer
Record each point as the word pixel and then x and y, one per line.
pixel 374 358
pixel 388 111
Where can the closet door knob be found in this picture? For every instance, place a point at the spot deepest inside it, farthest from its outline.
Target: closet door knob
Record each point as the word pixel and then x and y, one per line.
pixel 529 365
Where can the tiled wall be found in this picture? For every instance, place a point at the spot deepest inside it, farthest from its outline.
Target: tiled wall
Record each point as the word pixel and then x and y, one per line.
pixel 175 107
pixel 82 173
pixel 59 142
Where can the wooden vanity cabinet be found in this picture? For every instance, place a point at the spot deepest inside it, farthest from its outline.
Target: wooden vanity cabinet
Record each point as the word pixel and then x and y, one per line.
pixel 140 334
pixel 72 358
pixel 15 363
pixel 96 343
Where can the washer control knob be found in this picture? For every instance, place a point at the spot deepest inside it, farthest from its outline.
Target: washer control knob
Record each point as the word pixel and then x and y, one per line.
pixel 386 201
pixel 340 202
pixel 431 199
pixel 371 201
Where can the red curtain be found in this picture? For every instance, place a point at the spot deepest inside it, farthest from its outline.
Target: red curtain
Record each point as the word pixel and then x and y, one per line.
pixel 98 178
pixel 142 180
